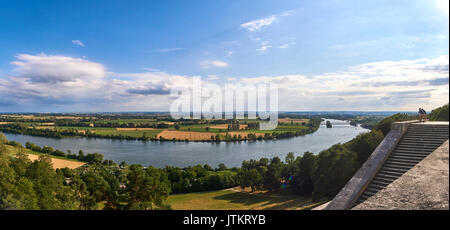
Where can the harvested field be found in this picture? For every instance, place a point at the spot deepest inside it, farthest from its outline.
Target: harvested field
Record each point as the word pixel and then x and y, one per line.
pixel 134 129
pixel 183 135
pixel 3 123
pixel 47 124
pixel 59 163
pixel 225 126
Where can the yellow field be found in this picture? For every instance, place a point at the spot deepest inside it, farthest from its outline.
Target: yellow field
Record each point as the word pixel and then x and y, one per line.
pixel 59 163
pixel 183 135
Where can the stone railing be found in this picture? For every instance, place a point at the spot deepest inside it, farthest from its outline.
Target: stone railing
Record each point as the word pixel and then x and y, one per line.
pixel 359 182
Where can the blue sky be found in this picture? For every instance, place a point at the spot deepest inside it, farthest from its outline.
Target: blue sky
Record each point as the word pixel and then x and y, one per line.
pixel 125 46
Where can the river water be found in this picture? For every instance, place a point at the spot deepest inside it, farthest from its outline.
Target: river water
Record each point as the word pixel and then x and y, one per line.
pixel 160 154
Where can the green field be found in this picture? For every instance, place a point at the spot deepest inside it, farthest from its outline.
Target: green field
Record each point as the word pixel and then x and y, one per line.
pixel 231 200
pixel 109 131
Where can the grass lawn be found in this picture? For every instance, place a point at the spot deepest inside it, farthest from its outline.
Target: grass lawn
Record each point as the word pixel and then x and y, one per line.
pixel 231 200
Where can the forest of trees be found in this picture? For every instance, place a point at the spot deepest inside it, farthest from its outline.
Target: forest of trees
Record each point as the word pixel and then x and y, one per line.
pixel 439 114
pixel 99 184
pixel 320 176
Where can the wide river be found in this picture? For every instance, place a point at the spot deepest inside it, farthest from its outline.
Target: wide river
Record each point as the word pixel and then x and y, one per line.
pixel 160 154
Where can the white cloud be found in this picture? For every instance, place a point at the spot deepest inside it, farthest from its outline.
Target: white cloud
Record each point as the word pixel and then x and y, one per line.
pixel 47 80
pixel 264 47
pixel 45 68
pixel 256 25
pixel 212 77
pixel 207 64
pixel 52 79
pixel 388 85
pixel 78 43
pixel 286 45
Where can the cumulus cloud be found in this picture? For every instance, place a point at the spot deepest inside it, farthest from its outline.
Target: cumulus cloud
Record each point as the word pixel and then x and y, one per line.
pixel 54 69
pixel 78 43
pixel 52 79
pixel 48 81
pixel 393 85
pixel 207 64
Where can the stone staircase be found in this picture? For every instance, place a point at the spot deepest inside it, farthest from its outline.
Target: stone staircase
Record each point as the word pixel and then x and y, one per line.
pixel 419 140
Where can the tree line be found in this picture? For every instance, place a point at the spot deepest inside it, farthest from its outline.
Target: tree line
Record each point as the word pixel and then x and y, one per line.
pixel 18 128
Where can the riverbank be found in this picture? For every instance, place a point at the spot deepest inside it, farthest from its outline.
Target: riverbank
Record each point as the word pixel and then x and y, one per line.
pixel 183 154
pixel 186 131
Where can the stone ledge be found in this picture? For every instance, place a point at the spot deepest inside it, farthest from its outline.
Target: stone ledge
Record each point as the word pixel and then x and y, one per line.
pixel 424 187
pixel 358 183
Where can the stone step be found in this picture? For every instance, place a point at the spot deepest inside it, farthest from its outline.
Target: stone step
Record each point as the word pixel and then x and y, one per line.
pixel 415 145
pixel 429 136
pixel 401 165
pixel 403 160
pixel 418 151
pixel 363 198
pixel 394 169
pixel 419 144
pixel 374 187
pixel 421 127
pixel 406 137
pixel 423 141
pixel 370 191
pixel 386 176
pixel 426 132
pixel 381 181
pixel 392 173
pixel 407 157
pixel 414 149
pixel 416 129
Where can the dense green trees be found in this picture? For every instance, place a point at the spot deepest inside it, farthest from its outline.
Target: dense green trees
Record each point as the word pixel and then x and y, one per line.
pixel 32 185
pixel 146 188
pixel 200 178
pixel 36 185
pixel 385 124
pixel 439 114
pixel 320 176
